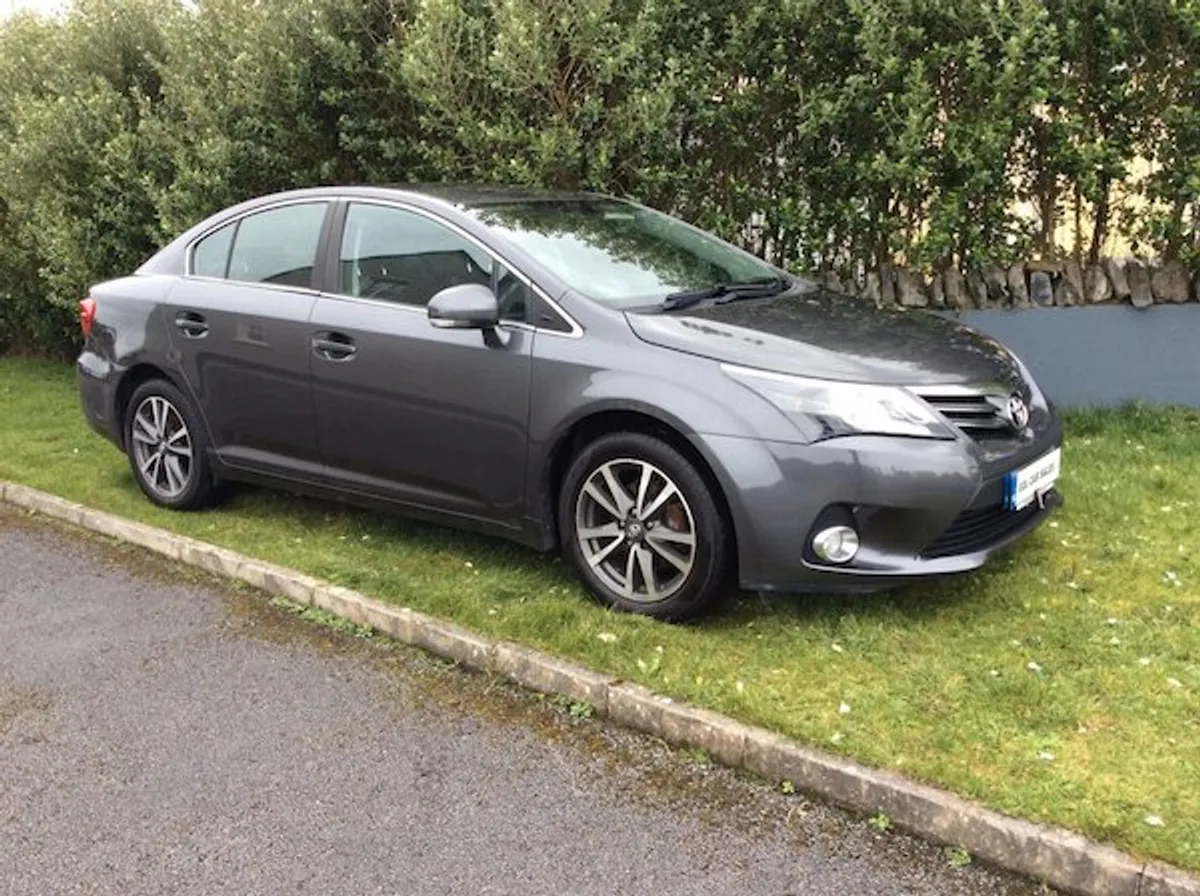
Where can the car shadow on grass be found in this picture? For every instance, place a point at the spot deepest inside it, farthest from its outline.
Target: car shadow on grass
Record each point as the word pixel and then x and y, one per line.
pixel 920 600
pixel 247 511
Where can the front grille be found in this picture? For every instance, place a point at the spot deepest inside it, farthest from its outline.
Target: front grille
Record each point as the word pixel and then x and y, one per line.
pixel 980 529
pixel 977 414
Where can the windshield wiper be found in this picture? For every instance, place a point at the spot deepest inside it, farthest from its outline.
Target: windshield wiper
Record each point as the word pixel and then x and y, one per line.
pixel 725 292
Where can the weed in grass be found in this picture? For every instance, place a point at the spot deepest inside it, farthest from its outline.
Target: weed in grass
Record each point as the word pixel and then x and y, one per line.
pixel 959 682
pixel 651 667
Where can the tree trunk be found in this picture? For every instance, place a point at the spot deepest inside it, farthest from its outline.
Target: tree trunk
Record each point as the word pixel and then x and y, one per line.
pixel 1077 248
pixel 1100 228
pixel 1171 250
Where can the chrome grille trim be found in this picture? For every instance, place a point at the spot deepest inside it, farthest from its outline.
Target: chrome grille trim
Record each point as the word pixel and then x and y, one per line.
pixel 976 411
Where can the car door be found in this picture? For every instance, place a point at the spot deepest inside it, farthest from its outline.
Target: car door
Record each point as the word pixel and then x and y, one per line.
pixel 239 327
pixel 434 418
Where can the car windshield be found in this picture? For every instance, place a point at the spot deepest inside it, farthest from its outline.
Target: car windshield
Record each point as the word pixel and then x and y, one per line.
pixel 622 254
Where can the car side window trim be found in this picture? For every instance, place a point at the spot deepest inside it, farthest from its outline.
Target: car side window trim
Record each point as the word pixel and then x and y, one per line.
pixel 237 225
pixel 189 254
pixel 331 258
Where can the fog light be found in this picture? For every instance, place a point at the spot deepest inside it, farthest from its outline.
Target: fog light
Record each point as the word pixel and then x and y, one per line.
pixel 837 544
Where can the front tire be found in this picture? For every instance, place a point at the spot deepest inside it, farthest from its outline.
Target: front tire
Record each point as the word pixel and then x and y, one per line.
pixel 642 528
pixel 167 447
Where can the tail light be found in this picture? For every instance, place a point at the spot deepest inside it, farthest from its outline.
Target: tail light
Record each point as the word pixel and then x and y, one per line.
pixel 87 316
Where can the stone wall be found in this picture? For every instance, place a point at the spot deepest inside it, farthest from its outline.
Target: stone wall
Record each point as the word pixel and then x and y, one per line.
pixel 1034 284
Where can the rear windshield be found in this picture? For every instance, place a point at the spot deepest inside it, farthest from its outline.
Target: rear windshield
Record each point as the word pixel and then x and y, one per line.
pixel 621 254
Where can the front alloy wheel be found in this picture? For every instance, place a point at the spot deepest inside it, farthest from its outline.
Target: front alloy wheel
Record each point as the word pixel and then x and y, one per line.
pixel 636 530
pixel 642 528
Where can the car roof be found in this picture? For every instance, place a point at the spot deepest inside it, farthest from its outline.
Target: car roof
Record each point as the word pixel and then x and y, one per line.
pixel 462 195
pixel 475 195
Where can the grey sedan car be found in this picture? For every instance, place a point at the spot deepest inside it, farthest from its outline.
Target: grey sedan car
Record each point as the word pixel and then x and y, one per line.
pixel 574 372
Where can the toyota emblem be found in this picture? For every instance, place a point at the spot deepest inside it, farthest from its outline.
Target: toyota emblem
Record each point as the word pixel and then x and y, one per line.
pixel 1016 412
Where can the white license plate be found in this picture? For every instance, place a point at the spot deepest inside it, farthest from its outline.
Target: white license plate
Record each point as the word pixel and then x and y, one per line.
pixel 1032 481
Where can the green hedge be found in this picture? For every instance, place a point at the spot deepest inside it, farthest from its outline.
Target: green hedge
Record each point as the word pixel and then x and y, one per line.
pixel 824 134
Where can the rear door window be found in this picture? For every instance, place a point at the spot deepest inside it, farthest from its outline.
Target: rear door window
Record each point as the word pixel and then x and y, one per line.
pixel 278 246
pixel 210 258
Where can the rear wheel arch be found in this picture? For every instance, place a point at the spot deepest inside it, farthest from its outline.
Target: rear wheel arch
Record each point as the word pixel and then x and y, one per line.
pixel 130 381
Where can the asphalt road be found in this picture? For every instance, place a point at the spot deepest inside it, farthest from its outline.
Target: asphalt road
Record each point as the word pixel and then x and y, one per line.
pixel 163 733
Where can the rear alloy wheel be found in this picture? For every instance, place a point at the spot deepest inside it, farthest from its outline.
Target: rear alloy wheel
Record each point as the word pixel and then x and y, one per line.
pixel 641 527
pixel 166 447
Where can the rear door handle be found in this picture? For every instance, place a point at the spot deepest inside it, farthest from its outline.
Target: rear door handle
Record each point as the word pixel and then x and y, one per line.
pixel 193 325
pixel 333 346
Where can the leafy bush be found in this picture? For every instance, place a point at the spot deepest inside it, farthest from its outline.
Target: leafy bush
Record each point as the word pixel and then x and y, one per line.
pixel 822 134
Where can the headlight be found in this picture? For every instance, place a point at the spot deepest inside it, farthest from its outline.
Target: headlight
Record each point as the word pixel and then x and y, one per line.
pixel 1035 393
pixel 823 409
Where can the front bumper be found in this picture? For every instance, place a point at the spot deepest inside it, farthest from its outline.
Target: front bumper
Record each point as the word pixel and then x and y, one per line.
pixel 921 507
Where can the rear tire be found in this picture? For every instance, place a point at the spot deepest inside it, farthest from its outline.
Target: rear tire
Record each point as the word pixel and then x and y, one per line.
pixel 167 447
pixel 643 529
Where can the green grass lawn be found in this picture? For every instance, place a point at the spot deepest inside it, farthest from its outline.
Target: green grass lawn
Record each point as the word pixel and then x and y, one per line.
pixel 1061 684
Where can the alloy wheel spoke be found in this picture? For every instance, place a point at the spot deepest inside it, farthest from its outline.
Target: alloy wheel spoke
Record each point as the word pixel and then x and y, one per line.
pixel 179 444
pixel 603 500
pixel 159 409
pixel 630 565
pixel 608 530
pixel 643 490
pixel 665 533
pixel 668 491
pixel 150 468
pixel 646 564
pixel 143 430
pixel 622 498
pixel 684 565
pixel 175 476
pixel 601 555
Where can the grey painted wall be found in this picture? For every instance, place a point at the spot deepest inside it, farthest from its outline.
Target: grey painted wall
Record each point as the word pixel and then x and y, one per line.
pixel 1103 356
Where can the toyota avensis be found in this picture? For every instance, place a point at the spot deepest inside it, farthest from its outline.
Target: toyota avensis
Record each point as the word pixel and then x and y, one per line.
pixel 569 371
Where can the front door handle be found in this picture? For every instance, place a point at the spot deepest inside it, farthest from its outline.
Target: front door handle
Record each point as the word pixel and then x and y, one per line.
pixel 191 324
pixel 333 346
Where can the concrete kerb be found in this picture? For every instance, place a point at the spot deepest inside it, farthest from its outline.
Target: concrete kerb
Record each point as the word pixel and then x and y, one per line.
pixel 550 675
pixel 1062 859
pixel 1162 880
pixel 49 505
pixel 1067 861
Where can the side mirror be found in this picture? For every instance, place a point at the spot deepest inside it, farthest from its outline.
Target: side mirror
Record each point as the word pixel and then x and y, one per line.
pixel 468 306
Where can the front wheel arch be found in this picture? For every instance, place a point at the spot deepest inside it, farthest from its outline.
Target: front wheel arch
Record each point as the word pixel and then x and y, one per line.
pixel 591 427
pixel 657 541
